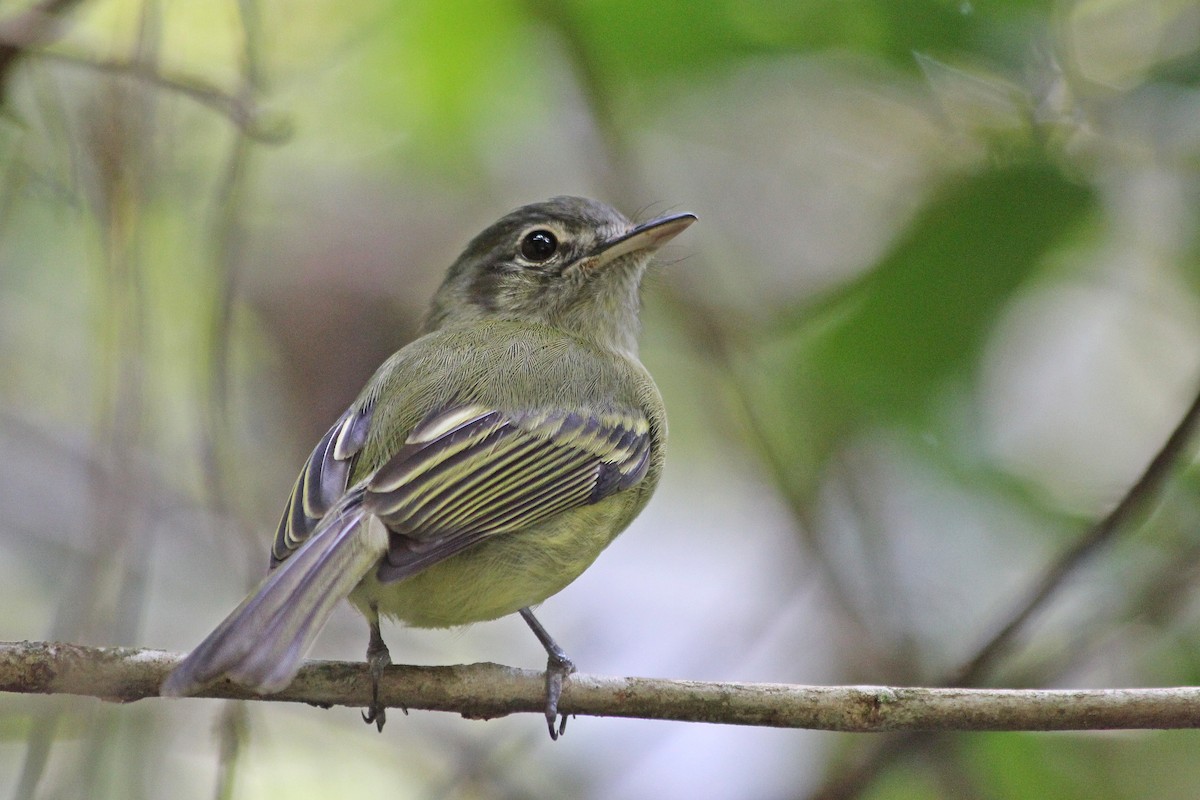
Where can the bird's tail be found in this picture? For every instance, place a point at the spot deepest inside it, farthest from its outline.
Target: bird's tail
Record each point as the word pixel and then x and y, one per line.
pixel 261 643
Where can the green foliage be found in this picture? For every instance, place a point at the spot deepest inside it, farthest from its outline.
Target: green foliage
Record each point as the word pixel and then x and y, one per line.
pixel 920 317
pixel 633 40
pixel 1018 766
pixel 886 348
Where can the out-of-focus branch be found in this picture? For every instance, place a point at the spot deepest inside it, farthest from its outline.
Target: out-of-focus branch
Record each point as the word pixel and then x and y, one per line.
pixel 27 33
pixel 853 780
pixel 35 26
pixel 217 457
pixel 241 108
pixel 482 691
pixel 1136 501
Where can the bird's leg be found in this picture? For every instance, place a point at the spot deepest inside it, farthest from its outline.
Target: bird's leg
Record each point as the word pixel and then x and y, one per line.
pixel 378 658
pixel 558 667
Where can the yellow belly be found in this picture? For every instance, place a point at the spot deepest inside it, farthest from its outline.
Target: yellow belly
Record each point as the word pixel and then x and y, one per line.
pixel 500 575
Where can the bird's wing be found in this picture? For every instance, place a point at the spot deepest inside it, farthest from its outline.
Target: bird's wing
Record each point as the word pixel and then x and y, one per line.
pixel 323 481
pixel 470 472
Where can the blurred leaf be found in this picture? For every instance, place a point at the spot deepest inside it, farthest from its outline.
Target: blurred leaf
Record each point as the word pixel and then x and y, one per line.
pixel 904 781
pixel 885 347
pixel 1023 765
pixel 980 104
pixel 1091 767
pixel 922 314
pixel 445 80
pixel 630 39
pixel 438 80
pixel 1183 70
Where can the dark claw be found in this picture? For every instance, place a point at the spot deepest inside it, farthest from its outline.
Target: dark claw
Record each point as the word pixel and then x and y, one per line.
pixel 558 667
pixel 375 714
pixel 378 659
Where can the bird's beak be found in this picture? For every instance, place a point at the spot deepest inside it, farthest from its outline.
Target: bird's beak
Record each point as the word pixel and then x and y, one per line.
pixel 645 237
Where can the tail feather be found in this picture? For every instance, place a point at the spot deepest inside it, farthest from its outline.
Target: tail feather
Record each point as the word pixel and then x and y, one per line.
pixel 261 643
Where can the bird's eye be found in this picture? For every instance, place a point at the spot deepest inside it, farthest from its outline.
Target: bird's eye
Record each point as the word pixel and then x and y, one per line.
pixel 539 245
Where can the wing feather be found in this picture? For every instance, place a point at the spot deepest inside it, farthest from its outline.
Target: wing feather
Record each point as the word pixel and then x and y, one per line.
pixel 479 495
pixel 465 473
pixel 323 481
pixel 455 480
pixel 468 473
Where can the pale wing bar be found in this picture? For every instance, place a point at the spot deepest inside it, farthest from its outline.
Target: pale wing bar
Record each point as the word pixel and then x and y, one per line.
pixel 322 482
pixel 471 472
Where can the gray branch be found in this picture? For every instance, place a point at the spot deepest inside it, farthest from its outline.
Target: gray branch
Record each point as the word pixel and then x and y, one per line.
pixel 482 691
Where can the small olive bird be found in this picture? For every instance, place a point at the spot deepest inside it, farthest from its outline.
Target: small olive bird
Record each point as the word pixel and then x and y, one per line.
pixel 484 466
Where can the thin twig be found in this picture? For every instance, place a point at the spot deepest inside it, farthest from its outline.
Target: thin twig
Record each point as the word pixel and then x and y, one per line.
pixel 850 782
pixel 1136 501
pixel 216 456
pixel 227 233
pixel 239 108
pixel 484 691
pixel 33 27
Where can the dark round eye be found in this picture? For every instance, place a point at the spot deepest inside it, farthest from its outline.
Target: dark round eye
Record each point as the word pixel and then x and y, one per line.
pixel 539 245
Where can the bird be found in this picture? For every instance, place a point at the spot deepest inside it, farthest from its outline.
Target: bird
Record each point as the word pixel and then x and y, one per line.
pixel 483 467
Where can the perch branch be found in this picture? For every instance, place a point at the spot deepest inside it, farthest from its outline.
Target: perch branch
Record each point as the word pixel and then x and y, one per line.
pixel 490 690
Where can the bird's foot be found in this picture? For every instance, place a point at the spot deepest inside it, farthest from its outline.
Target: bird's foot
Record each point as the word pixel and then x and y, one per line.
pixel 558 667
pixel 378 659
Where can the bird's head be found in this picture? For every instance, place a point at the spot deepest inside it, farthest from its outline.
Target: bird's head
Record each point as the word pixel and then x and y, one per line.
pixel 569 262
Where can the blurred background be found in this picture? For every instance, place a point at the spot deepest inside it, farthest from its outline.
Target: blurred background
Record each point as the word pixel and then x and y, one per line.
pixel 941 308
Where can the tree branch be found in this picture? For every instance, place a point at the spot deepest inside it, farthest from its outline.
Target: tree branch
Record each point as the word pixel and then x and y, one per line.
pixel 852 781
pixel 482 691
pixel 1135 503
pixel 19 33
pixel 239 108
